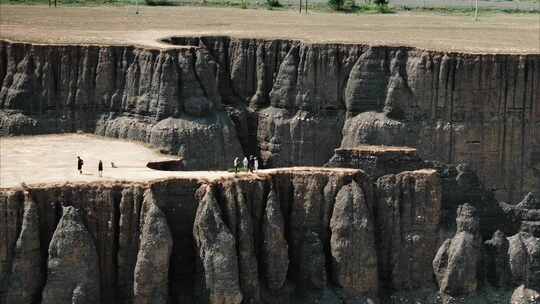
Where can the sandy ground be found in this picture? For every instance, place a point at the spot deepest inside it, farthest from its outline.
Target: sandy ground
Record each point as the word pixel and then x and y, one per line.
pixel 496 33
pixel 52 159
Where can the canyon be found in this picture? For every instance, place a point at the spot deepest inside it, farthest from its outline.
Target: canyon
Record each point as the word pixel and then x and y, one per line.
pixel 419 180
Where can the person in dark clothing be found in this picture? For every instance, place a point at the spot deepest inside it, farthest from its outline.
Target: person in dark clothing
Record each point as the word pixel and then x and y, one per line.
pixel 236 164
pixel 100 168
pixel 250 166
pixel 80 164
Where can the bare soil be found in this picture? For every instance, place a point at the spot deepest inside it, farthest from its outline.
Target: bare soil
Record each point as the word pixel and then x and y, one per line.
pixel 497 33
pixel 52 159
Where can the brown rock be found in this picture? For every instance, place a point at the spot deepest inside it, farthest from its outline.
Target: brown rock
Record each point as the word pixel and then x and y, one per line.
pixel 275 249
pixel 354 256
pixel 216 249
pixel 408 224
pixel 457 263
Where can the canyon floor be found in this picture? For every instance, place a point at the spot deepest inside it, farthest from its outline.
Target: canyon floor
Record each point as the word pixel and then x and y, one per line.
pixel 493 33
pixel 52 159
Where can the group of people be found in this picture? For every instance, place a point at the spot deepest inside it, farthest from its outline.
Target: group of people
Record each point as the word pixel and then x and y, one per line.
pixel 80 164
pixel 249 164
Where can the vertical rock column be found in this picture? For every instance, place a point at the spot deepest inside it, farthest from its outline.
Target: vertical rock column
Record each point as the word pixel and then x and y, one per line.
pixel 216 247
pixel 151 276
pixel 73 270
pixel 457 262
pixel 354 256
pixel 27 277
pixel 275 255
pixel 408 221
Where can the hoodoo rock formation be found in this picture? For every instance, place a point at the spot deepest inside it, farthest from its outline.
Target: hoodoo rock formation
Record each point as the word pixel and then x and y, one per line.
pixel 457 263
pixel 288 101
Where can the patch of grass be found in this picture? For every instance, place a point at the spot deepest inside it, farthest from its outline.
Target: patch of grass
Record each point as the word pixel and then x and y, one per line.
pixel 466 11
pixel 374 9
pixel 160 2
pixel 339 6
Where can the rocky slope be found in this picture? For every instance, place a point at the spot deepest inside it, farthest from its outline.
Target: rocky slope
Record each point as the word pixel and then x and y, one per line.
pixel 290 102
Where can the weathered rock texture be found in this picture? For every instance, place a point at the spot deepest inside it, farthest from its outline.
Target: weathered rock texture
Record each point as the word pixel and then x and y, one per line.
pixel 290 102
pixel 291 236
pixel 26 276
pixel 457 263
pixel 165 98
pixel 377 161
pixel 353 243
pixel 409 220
pixel 72 268
pixel 151 274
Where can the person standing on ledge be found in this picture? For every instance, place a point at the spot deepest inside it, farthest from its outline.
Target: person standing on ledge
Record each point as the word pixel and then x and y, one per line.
pixel 80 163
pixel 245 163
pixel 255 163
pixel 236 164
pixel 100 168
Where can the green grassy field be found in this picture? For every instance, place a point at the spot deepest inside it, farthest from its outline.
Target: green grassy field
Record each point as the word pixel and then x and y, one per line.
pixel 351 6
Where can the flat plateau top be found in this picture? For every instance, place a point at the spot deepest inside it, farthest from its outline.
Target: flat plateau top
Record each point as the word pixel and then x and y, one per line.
pixel 493 33
pixel 52 159
pixel 378 149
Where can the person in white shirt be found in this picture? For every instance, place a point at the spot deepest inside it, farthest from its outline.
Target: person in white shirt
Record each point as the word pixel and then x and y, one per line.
pixel 245 163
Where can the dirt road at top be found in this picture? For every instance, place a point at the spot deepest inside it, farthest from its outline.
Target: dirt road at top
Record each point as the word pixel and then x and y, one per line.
pixel 499 33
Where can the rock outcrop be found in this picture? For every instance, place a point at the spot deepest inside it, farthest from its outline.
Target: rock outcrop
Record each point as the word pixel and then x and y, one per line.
pixel 409 219
pixel 354 255
pixel 72 267
pixel 26 275
pixel 457 264
pixel 290 102
pixel 496 260
pixel 217 254
pixel 274 248
pixel 523 295
pixel 151 277
pixel 376 160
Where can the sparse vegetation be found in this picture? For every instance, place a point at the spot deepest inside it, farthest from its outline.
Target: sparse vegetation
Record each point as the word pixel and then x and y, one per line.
pixel 336 4
pixel 273 4
pixel 159 2
pixel 344 6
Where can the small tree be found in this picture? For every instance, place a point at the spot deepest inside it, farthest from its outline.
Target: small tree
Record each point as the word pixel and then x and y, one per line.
pixel 336 4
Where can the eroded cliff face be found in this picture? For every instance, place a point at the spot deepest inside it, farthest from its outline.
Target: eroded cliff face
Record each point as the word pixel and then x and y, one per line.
pixel 292 236
pixel 292 103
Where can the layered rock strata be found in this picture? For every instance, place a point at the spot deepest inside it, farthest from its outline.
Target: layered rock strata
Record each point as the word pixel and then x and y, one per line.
pixel 213 98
